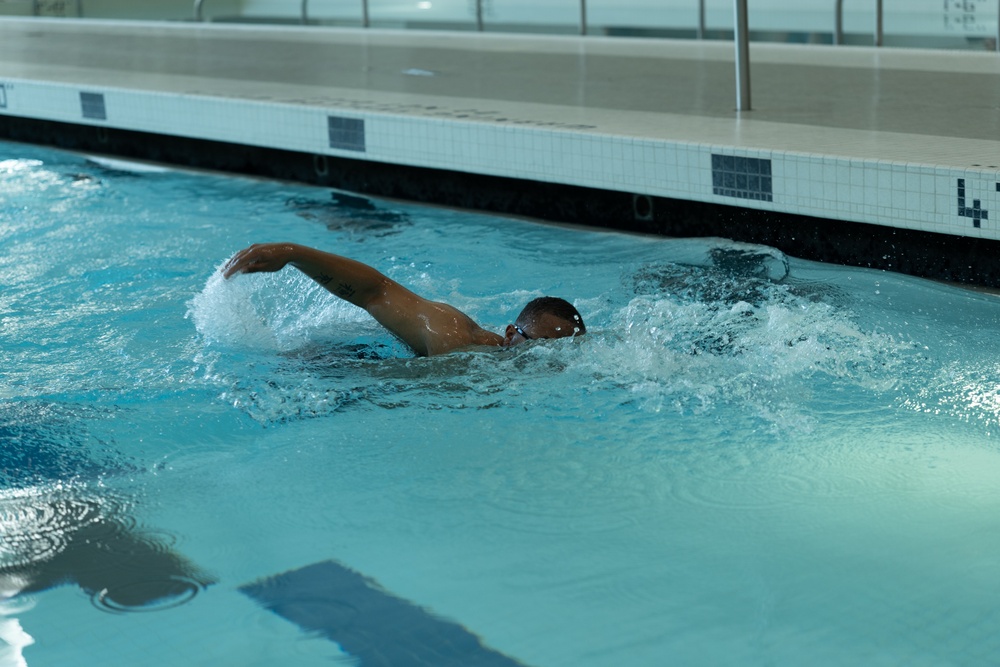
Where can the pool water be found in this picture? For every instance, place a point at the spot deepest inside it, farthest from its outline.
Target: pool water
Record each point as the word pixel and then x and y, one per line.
pixel 748 460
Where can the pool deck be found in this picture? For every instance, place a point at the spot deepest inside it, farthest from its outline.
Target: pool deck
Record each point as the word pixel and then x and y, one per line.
pixel 905 139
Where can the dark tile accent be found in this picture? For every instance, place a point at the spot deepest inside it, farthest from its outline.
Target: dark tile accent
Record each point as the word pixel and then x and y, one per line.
pixel 928 254
pixel 976 211
pixel 347 133
pixel 92 105
pixel 742 177
pixel 3 97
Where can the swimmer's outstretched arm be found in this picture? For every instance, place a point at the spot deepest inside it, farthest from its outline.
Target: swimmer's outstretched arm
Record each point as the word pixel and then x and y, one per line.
pixel 352 281
pixel 429 327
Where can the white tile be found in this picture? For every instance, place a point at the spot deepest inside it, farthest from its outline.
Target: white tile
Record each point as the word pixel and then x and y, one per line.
pixel 820 164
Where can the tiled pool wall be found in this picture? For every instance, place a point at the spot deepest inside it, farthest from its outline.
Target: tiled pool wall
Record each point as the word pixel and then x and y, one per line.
pixel 918 218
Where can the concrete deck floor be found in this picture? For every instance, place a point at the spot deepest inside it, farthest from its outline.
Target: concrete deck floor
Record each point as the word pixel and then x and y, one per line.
pixel 918 106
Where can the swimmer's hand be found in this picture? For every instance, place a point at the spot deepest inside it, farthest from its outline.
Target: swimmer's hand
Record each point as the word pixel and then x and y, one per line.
pixel 260 258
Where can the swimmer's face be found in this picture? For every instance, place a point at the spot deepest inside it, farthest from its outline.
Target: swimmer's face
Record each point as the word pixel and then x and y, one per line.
pixel 546 325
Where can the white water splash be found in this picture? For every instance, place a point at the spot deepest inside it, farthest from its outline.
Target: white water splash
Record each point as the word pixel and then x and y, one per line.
pixel 268 312
pixel 768 354
pixel 13 638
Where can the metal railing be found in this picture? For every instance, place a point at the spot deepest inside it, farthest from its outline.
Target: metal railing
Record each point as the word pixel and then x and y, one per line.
pixel 741 32
pixel 584 26
pixel 878 22
pixel 838 23
pixel 199 15
pixel 741 38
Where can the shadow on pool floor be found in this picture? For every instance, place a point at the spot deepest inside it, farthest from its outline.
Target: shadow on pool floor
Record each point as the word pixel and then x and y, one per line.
pixel 368 622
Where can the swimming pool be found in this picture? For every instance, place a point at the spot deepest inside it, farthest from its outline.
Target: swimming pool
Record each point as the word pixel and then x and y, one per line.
pixel 749 459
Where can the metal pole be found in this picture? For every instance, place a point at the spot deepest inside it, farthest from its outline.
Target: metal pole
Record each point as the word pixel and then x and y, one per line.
pixel 998 28
pixel 701 19
pixel 838 26
pixel 741 34
pixel 479 15
pixel 583 17
pixel 878 22
pixel 305 12
pixel 197 9
pixel 365 21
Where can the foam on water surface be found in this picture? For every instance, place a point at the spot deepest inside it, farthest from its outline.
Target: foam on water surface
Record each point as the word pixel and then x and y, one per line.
pixel 721 322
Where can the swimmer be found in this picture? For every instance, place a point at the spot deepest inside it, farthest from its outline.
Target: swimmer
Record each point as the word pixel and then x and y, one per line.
pixel 428 327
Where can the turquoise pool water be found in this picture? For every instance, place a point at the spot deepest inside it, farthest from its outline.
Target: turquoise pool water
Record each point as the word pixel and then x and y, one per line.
pixel 749 460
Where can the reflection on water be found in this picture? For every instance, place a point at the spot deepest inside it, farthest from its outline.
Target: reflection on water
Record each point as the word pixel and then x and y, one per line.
pixel 61 525
pixel 72 535
pixel 49 442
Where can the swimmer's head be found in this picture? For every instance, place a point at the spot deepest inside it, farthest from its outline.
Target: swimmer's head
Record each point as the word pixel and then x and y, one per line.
pixel 545 317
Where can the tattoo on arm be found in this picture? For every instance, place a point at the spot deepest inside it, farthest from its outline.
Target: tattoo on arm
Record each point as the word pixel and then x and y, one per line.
pixel 324 279
pixel 345 290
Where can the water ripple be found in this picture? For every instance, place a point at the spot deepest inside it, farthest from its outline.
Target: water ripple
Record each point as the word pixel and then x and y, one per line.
pixel 562 494
pixel 152 594
pixel 37 526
